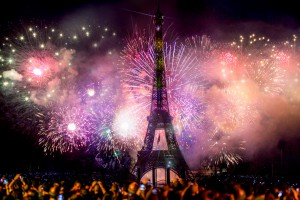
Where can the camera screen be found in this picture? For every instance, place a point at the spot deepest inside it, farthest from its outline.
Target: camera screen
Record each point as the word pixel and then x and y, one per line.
pixel 142 187
pixel 60 197
pixel 154 191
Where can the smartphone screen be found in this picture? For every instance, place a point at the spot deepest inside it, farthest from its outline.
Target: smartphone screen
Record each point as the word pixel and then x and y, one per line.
pixel 142 187
pixel 154 191
pixel 60 197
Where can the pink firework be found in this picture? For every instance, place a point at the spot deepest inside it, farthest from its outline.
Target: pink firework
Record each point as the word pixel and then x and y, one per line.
pixel 66 130
pixel 38 68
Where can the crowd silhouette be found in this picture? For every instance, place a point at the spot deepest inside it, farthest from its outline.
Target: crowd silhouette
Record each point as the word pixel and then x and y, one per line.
pixel 53 186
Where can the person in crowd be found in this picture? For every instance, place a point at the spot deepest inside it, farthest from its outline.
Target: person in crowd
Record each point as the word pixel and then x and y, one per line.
pixel 97 190
pixel 260 192
pixel 134 192
pixel 191 191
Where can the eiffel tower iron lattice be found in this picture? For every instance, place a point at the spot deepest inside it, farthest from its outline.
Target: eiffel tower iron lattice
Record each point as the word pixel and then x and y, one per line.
pixel 160 119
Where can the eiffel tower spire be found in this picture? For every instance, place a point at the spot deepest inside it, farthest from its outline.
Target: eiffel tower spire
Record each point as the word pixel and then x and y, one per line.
pixel 160 119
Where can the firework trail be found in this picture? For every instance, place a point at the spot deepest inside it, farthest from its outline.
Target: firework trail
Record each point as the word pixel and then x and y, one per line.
pixel 224 149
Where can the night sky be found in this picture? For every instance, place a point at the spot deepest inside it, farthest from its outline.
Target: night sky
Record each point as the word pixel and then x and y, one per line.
pixel 189 16
pixel 220 19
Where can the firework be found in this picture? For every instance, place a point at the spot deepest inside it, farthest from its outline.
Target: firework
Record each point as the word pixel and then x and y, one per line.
pixel 66 130
pixel 240 75
pixel 40 73
pixel 268 75
pixel 224 149
pixel 184 82
pixel 99 103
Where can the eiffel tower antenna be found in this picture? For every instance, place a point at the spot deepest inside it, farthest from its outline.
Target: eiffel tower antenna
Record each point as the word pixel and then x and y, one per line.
pixel 140 13
pixel 171 159
pixel 147 14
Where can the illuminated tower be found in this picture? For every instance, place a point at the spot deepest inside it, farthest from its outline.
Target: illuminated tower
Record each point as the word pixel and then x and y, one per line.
pixel 171 158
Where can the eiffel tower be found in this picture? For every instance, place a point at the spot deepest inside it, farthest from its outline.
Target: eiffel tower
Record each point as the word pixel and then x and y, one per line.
pixel 160 119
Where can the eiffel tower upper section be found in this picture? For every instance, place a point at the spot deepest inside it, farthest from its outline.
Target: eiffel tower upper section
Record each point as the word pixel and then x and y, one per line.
pixel 160 117
pixel 159 113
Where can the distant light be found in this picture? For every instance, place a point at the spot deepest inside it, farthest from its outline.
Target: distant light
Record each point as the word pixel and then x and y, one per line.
pixel 37 72
pixel 91 92
pixel 71 126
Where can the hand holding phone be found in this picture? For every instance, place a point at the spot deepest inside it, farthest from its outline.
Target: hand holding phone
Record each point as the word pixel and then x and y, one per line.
pixel 142 187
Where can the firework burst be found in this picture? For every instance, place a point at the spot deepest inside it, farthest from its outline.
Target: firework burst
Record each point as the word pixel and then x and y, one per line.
pixel 185 83
pixel 224 149
pixel 66 130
